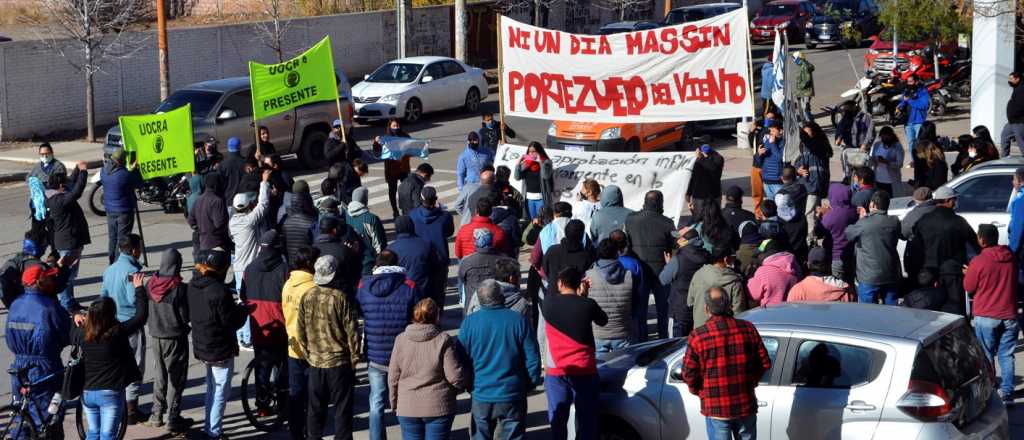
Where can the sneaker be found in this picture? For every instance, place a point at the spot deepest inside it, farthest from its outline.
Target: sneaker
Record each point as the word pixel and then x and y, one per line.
pixel 1006 398
pixel 155 421
pixel 244 347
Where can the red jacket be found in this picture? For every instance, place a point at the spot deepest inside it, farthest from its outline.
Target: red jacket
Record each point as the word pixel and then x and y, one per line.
pixel 992 277
pixel 465 245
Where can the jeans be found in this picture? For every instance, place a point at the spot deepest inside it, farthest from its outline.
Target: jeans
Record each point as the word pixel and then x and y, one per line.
pixel 244 333
pixel 533 207
pixel 606 345
pixel 510 415
pixel 911 131
pixel 641 301
pixel 331 386
pixel 999 337
pixel 171 355
pixel 744 428
pixel 67 297
pixel 378 401
pixel 426 428
pixel 102 410
pixel 298 379
pixel 770 189
pixel 805 108
pixel 565 391
pixel 119 225
pixel 218 392
pixel 267 384
pixel 1012 131
pixel 867 293
pixel 137 341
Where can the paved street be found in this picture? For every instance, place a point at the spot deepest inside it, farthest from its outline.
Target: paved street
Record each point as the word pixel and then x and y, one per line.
pixel 447 132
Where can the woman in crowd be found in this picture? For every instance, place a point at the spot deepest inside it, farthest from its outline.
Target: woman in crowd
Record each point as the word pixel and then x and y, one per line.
pixel 538 176
pixel 109 362
pixel 964 143
pixel 981 150
pixel 887 155
pixel 395 171
pixel 930 169
pixel 425 376
pixel 713 229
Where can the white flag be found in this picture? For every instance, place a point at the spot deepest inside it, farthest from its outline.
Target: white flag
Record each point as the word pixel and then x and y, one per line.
pixel 778 70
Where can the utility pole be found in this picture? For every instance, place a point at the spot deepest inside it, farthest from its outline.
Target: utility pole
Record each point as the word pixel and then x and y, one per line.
pixel 404 9
pixel 461 30
pixel 161 38
pixel 668 7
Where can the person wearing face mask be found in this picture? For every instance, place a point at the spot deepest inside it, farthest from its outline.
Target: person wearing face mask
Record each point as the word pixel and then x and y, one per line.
pixel 47 165
pixel 336 151
pixel 472 160
pixel 915 103
pixel 979 151
pixel 490 131
pixel 1014 128
pixel 887 155
pixel 395 171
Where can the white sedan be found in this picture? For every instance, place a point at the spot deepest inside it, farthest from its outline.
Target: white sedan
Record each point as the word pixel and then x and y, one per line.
pixel 409 87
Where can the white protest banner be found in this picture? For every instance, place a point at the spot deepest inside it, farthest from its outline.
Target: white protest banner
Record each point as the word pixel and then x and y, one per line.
pixel 633 173
pixel 688 72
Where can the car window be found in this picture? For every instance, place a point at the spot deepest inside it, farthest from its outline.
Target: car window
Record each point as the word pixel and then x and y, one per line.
pixel 772 345
pixel 821 364
pixel 396 73
pixel 202 102
pixel 435 70
pixel 988 193
pixel 453 68
pixel 240 102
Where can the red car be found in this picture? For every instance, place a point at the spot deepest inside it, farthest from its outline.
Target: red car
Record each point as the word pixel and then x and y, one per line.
pixel 791 15
pixel 879 59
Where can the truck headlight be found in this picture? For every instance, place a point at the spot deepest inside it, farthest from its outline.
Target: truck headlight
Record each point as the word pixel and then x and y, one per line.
pixel 552 131
pixel 611 133
pixel 391 98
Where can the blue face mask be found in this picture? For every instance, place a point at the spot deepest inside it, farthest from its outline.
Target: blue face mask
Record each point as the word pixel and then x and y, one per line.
pixel 797 61
pixel 768 122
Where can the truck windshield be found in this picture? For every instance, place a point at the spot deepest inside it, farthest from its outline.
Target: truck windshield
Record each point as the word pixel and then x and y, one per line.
pixel 396 73
pixel 778 9
pixel 202 102
pixel 684 15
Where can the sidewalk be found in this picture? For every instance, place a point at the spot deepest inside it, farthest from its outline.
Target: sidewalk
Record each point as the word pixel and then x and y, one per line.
pixel 16 163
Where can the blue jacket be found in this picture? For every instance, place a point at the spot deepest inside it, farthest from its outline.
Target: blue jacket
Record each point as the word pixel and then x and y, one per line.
pixel 119 189
pixel 117 286
pixel 471 161
pixel 436 226
pixel 918 106
pixel 1016 229
pixel 503 348
pixel 386 300
pixel 632 264
pixel 37 329
pixel 771 162
pixel 419 259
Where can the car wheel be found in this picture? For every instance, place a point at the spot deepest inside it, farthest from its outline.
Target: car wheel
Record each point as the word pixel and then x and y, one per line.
pixel 413 111
pixel 312 151
pixel 472 104
pixel 617 430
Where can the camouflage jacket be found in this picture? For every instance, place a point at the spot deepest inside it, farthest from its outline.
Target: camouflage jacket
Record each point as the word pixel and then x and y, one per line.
pixel 328 331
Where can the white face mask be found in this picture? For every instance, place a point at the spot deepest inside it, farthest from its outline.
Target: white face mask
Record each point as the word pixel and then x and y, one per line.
pixel 46 159
pixel 972 154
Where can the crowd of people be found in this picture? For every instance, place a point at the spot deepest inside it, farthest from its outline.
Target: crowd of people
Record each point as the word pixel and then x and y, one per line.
pixel 319 288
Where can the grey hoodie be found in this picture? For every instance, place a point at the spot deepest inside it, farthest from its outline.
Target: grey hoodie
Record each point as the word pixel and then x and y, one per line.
pixel 611 216
pixel 168 304
pixel 611 286
pixel 245 230
pixel 713 276
pixel 514 300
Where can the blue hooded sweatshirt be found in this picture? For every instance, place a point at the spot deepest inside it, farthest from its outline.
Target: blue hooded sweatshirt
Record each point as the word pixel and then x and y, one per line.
pixel 506 360
pixel 434 225
pixel 471 161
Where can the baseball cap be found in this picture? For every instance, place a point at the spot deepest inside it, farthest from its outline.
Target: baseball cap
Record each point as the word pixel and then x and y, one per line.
pixel 336 123
pixel 734 193
pixel 482 238
pixel 817 256
pixel 944 193
pixel 234 144
pixel 923 193
pixel 324 268
pixel 705 148
pixel 37 272
pixel 429 193
pixel 242 200
pixel 300 186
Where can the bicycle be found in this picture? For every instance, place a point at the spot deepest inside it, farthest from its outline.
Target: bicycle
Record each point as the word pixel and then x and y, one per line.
pixel 266 405
pixel 21 415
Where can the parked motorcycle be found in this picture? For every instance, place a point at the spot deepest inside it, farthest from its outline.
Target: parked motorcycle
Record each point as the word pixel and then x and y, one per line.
pixel 168 192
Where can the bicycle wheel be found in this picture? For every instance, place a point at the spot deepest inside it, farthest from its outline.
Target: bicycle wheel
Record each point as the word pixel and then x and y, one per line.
pixel 13 424
pixel 264 407
pixel 80 422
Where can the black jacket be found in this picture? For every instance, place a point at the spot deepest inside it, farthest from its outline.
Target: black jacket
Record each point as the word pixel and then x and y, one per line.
pixel 944 236
pixel 336 151
pixel 109 363
pixel 209 215
pixel 215 318
pixel 706 182
pixel 689 259
pixel 232 169
pixel 735 215
pixel 564 255
pixel 650 235
pixel 70 229
pixel 409 196
pixel 1015 106
pixel 349 260
pixel 297 226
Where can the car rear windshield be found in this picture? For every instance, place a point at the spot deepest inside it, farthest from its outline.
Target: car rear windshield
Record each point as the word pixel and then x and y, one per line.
pixel 676 17
pixel 955 361
pixel 202 102
pixel 784 9
pixel 396 73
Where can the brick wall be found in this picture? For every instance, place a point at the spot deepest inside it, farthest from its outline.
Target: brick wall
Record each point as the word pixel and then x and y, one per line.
pixel 41 93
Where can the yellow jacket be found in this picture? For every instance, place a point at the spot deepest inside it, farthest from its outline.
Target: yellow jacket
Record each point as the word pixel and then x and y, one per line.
pixel 291 296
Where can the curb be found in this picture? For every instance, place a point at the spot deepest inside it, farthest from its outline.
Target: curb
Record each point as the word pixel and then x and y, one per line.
pixel 13 177
pixel 19 176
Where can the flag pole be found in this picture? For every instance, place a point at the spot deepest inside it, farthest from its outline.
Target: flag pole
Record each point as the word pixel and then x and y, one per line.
pixel 344 138
pixel 501 81
pixel 750 73
pixel 256 134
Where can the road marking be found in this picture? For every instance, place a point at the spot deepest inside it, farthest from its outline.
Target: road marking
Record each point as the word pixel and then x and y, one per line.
pixel 384 198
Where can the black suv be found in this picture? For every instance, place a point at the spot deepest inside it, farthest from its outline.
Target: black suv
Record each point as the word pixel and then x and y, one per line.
pixel 826 27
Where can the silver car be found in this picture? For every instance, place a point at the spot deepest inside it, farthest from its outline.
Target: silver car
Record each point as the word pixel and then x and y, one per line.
pixel 840 371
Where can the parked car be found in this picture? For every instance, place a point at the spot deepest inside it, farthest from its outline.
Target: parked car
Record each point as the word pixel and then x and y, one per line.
pixel 698 12
pixel 839 371
pixel 594 136
pixel 789 15
pixel 409 87
pixel 621 27
pixel 222 109
pixel 826 27
pixel 879 59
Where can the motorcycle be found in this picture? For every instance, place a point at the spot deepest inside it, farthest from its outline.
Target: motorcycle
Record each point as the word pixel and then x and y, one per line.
pixel 168 192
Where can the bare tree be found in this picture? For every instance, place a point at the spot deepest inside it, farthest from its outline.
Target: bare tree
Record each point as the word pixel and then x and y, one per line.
pixel 272 31
pixel 537 9
pixel 87 33
pixel 627 9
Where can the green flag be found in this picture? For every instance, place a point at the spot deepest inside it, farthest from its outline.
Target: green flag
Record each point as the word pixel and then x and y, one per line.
pixel 301 80
pixel 162 142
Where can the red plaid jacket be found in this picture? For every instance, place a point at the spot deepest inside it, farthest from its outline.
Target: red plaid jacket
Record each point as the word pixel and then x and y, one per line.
pixel 724 362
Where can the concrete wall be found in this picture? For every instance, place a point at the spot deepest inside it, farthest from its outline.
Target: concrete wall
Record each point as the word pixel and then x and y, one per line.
pixel 40 92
